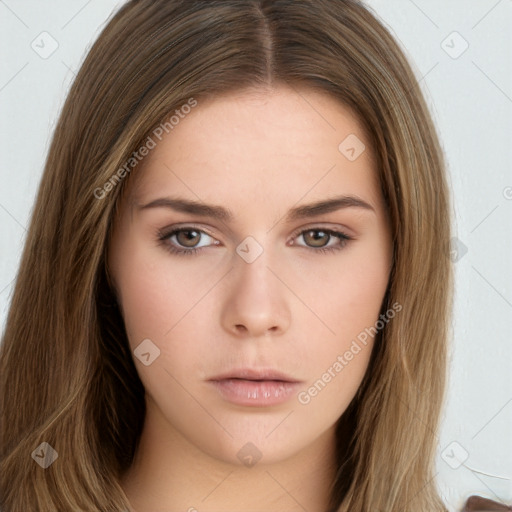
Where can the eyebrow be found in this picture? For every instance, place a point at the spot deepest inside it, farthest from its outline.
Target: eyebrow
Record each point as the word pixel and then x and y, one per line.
pixel 225 215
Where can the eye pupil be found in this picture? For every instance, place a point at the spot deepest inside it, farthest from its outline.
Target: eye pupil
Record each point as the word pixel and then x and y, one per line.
pixel 318 238
pixel 188 238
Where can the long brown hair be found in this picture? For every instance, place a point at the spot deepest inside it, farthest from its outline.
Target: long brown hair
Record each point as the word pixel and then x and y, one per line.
pixel 67 374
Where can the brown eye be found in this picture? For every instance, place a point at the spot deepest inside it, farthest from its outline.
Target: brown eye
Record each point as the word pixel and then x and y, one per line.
pixel 321 240
pixel 316 238
pixel 188 238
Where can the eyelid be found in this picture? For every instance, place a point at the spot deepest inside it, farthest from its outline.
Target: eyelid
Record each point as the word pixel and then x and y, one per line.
pixel 326 226
pixel 342 239
pixel 338 232
pixel 166 233
pixel 184 226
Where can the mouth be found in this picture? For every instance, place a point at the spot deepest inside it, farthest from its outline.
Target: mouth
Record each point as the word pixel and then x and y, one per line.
pixel 255 388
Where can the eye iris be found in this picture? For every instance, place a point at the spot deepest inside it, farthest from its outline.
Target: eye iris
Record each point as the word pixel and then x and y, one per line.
pixel 316 238
pixel 313 238
pixel 188 238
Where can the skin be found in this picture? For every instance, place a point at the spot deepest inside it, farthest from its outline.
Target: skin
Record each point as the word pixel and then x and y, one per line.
pixel 258 153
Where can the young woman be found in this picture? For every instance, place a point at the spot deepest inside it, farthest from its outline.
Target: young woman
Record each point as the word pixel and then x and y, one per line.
pixel 236 284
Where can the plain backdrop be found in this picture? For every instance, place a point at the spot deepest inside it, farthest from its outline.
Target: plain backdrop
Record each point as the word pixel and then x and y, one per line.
pixel 461 52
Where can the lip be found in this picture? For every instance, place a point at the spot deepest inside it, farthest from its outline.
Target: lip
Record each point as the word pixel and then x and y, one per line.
pixel 255 388
pixel 255 374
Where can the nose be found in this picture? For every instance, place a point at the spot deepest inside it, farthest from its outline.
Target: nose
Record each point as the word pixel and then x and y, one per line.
pixel 256 302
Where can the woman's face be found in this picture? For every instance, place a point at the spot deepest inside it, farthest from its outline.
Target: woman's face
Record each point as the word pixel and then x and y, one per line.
pixel 252 252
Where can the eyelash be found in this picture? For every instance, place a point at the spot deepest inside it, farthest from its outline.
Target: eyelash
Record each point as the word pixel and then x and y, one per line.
pixel 163 238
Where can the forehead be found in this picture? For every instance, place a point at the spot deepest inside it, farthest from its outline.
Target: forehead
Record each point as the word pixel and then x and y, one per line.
pixel 262 147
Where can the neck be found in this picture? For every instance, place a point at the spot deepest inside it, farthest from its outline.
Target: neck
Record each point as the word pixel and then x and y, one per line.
pixel 169 473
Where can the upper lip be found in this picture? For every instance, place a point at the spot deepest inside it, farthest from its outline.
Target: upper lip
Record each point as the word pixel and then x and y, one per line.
pixel 254 374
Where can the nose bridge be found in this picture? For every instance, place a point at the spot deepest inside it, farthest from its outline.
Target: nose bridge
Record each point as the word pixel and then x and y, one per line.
pixel 251 271
pixel 256 301
pixel 250 250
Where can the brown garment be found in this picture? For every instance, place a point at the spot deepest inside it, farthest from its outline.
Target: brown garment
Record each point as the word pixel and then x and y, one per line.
pixel 479 504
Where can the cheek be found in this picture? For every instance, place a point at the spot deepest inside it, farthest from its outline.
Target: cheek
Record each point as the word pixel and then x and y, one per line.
pixel 155 296
pixel 336 363
pixel 346 292
pixel 147 305
pixel 347 301
pixel 165 306
pixel 155 309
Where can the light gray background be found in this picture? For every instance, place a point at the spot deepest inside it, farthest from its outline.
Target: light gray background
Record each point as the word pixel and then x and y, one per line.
pixel 470 95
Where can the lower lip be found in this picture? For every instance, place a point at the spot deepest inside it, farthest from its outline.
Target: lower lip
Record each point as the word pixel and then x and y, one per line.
pixel 255 393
